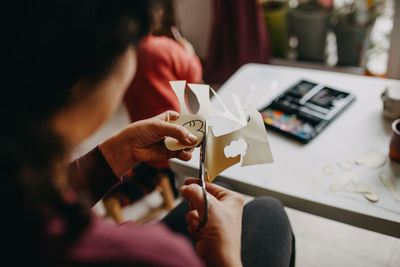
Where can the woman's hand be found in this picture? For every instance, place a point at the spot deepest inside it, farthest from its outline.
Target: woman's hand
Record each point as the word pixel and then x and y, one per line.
pixel 144 141
pixel 219 241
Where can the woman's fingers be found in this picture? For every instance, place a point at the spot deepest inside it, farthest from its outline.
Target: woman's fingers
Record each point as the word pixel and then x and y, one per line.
pixel 184 155
pixel 189 181
pixel 192 220
pixel 215 190
pixel 168 115
pixel 194 194
pixel 173 130
pixel 164 129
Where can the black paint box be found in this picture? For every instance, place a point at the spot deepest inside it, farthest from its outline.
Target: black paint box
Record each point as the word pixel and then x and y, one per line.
pixel 305 109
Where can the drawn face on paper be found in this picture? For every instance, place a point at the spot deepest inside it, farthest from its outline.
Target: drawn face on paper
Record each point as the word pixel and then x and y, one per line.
pixel 194 125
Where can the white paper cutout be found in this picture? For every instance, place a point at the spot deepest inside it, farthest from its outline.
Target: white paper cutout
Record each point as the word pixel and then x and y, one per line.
pixel 390 185
pixel 236 100
pixel 252 132
pixel 327 169
pixel 258 149
pixel 350 182
pixel 195 122
pixel 346 165
pixel 341 182
pixel 372 159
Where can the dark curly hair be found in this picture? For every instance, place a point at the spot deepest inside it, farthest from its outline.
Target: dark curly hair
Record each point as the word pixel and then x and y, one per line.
pixel 50 46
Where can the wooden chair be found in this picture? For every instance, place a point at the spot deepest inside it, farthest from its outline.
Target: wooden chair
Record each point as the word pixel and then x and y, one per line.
pixel 114 205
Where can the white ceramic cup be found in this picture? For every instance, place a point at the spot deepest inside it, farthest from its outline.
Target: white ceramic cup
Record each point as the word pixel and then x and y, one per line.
pixel 391 102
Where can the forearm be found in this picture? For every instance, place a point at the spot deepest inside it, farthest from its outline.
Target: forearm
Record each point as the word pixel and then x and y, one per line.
pixel 143 141
pixel 117 154
pixel 223 261
pixel 224 253
pixel 231 260
pixel 91 175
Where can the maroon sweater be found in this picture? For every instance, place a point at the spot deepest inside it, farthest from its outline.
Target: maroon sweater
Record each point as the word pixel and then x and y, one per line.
pixel 126 244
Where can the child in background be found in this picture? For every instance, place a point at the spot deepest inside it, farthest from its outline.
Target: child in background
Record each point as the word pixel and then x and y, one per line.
pixel 160 59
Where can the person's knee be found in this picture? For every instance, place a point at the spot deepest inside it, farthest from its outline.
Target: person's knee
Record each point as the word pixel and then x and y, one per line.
pixel 266 203
pixel 269 210
pixel 267 236
pixel 270 202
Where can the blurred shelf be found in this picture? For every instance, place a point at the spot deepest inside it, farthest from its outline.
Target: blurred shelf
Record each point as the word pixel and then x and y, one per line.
pixel 316 66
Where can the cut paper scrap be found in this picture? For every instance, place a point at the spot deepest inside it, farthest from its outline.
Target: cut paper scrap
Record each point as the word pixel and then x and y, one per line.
pixel 342 181
pixel 253 132
pixel 327 170
pixel 349 182
pixel 346 165
pixel 390 185
pixel 372 159
pixel 195 122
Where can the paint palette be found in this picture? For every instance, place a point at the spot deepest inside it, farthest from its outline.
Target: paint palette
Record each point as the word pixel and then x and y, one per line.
pixel 305 109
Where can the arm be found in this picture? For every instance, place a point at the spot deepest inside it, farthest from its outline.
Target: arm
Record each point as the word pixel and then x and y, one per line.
pixel 91 175
pixel 144 141
pixel 219 241
pixel 97 172
pixel 192 70
pixel 195 69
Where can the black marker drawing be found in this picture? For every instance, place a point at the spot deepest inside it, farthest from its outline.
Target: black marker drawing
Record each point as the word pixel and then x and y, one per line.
pixel 193 123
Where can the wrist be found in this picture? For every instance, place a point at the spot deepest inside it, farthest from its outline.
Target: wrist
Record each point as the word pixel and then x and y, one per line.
pixel 228 262
pixel 224 255
pixel 233 261
pixel 117 154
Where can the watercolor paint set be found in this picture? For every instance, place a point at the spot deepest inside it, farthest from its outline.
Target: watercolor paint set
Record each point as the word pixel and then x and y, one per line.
pixel 305 109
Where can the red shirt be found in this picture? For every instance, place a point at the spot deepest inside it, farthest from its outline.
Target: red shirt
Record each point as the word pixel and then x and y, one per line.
pixel 160 60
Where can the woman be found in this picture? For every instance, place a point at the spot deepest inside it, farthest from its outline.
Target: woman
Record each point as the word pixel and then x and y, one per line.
pixel 160 59
pixel 68 65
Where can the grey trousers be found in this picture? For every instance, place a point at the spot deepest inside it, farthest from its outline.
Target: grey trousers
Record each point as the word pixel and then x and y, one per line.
pixel 267 238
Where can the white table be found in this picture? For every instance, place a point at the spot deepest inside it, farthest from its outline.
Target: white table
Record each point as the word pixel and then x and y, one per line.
pixel 297 177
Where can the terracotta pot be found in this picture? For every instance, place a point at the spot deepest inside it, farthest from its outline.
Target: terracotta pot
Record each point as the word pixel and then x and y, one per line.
pixel 394 152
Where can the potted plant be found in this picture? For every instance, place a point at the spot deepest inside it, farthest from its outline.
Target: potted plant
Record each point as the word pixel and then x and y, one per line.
pixel 352 24
pixel 309 23
pixel 275 15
